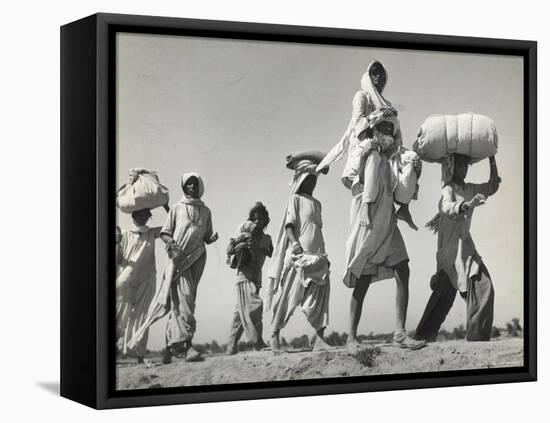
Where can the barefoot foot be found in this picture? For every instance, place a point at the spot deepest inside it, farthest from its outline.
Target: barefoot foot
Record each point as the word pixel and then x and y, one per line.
pixel 193 355
pixel 405 215
pixel 352 347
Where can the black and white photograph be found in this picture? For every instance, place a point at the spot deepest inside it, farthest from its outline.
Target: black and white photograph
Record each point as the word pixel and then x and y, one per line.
pixel 275 212
pixel 289 211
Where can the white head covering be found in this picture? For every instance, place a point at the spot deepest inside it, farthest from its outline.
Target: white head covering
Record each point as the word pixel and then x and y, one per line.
pixel 377 117
pixel 380 103
pixel 186 198
pixel 376 96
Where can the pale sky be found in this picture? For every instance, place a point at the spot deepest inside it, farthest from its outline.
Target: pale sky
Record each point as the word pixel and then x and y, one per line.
pixel 232 110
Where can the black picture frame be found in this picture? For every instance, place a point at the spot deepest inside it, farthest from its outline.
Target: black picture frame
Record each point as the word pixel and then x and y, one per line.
pixel 87 208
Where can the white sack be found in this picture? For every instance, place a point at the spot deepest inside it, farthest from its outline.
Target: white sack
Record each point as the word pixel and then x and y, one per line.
pixel 142 191
pixel 469 133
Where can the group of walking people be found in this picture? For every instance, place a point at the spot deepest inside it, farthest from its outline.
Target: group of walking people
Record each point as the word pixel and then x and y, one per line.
pixel 381 176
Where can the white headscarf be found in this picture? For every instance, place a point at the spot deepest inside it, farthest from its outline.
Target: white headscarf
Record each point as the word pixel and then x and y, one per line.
pixel 186 198
pixel 379 102
pixel 376 96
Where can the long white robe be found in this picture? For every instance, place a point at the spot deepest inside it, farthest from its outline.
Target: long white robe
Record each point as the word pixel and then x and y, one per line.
pixel 136 279
pixel 309 291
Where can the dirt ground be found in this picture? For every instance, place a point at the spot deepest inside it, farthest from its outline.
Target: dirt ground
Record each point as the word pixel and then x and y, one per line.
pixel 265 366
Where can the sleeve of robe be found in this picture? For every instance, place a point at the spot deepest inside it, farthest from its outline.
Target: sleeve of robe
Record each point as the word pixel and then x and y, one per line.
pixel 361 107
pixel 209 227
pixel 170 223
pixel 372 174
pixel 293 213
pixel 448 204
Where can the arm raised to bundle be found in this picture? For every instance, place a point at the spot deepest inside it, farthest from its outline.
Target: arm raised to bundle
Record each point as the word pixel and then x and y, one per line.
pixel 490 187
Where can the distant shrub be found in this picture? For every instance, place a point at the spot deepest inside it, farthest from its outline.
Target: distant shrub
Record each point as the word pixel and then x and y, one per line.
pixel 245 346
pixel 300 342
pixel 344 338
pixel 200 348
pixel 517 326
pixel 336 339
pixel 445 335
pixel 459 332
pixel 512 331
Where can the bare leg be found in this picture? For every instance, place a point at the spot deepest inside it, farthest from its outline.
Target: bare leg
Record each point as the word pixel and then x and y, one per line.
pixel 400 337
pixel 235 333
pixel 402 273
pixel 356 305
pixel 356 308
pixel 275 342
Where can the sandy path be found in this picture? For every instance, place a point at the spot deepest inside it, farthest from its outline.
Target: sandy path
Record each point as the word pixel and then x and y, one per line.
pixel 264 366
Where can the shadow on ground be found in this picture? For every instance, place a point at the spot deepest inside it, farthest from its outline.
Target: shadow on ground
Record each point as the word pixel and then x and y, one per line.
pixel 51 387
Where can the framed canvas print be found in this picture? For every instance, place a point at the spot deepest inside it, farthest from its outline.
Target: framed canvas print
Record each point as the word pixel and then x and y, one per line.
pixel 256 211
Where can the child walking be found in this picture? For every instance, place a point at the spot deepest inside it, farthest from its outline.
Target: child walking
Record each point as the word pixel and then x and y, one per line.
pixel 249 250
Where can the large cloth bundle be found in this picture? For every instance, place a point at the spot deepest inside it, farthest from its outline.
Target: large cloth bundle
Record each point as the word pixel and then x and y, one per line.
pixel 142 191
pixel 468 133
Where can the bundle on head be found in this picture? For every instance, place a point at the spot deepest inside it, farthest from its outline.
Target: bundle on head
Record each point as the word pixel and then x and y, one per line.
pixel 142 191
pixel 470 134
pixel 296 161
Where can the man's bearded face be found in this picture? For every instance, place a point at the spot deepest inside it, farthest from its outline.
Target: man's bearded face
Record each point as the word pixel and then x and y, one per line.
pixel 383 134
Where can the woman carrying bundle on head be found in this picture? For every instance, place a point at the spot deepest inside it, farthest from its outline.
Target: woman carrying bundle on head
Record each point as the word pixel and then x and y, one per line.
pixel 135 257
pixel 299 269
pixel 136 279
